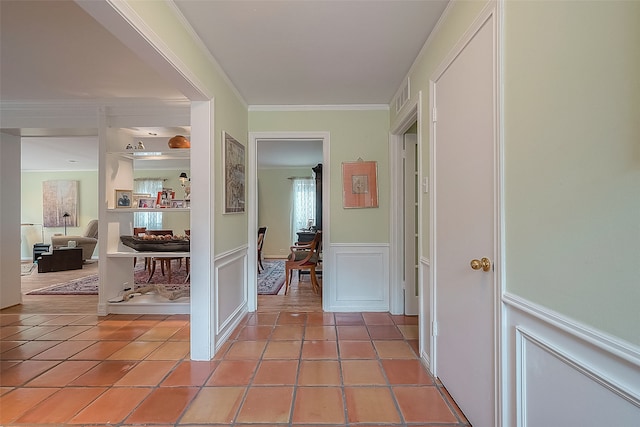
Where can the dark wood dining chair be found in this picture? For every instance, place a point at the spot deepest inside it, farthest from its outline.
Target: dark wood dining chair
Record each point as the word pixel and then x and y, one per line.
pixel 262 231
pixel 304 256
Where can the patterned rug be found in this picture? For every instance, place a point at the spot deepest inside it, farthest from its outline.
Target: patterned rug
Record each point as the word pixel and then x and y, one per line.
pixel 89 285
pixel 271 279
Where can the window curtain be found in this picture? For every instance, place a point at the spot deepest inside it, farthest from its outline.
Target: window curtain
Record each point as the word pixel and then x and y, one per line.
pixel 150 220
pixel 304 205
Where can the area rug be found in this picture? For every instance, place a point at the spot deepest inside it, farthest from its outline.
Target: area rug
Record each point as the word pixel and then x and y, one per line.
pixel 271 279
pixel 89 285
pixel 26 268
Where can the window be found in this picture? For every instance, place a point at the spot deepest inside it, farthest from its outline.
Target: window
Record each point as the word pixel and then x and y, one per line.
pixel 150 220
pixel 303 209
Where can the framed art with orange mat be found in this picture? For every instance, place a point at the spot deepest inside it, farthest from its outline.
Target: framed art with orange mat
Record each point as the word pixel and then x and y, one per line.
pixel 360 184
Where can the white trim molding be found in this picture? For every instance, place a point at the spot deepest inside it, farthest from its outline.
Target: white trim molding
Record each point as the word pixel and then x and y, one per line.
pixel 340 107
pixel 549 356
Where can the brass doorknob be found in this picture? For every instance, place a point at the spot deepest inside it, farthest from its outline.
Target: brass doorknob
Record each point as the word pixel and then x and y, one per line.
pixel 484 264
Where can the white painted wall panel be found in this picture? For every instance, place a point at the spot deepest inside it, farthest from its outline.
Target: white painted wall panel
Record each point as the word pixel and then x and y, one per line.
pixel 230 291
pixel 359 280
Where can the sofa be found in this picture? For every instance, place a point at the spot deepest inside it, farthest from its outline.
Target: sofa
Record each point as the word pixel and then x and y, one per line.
pixel 87 241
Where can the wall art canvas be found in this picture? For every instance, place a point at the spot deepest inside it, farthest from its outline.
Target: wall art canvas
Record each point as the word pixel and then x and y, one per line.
pixel 234 174
pixel 60 197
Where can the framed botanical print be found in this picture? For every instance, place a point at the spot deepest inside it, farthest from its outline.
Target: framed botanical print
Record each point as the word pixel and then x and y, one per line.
pixel 233 155
pixel 360 184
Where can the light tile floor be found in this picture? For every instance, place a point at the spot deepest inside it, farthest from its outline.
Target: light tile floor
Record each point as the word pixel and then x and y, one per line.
pixel 285 369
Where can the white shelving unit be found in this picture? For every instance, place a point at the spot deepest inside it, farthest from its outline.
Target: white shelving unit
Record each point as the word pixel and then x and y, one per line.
pixel 116 260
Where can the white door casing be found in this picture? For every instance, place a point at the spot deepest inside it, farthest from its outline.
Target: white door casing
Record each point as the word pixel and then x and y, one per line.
pixel 465 222
pixel 410 189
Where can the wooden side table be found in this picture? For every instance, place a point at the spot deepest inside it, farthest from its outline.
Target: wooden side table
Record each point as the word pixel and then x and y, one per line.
pixel 61 259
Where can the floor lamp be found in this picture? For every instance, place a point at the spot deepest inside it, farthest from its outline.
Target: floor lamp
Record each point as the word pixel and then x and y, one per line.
pixel 65 216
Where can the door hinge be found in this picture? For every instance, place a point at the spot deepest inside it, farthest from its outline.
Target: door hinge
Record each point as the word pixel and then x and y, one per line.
pixel 434 328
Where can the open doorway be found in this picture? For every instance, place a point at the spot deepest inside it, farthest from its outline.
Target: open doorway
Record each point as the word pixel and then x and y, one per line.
pixel 278 164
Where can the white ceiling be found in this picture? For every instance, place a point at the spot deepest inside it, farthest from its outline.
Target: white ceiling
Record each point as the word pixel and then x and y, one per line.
pixel 293 52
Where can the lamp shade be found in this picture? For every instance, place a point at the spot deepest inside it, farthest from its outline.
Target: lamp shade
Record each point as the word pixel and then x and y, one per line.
pixel 183 175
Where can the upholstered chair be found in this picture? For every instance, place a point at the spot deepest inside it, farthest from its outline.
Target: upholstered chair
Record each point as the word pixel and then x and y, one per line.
pixel 87 241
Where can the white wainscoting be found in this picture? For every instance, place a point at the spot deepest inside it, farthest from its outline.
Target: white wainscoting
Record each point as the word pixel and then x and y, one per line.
pixel 425 314
pixel 230 292
pixel 562 373
pixel 358 278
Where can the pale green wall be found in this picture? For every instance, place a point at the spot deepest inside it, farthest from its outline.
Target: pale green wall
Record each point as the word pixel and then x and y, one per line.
pixel 354 134
pixel 572 170
pixel 32 209
pixel 274 207
pixel 571 154
pixel 230 112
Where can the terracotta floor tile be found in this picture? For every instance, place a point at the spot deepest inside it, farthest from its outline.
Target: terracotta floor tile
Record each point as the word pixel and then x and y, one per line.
pixel 8 332
pixel 378 319
pixel 98 332
pixel 7 319
pixel 320 333
pixel 62 374
pixel 100 350
pixel 282 350
pixel 246 350
pixel 319 372
pixel 135 350
pixel 404 320
pixel 452 403
pixel 276 372
pixel 64 350
pixel 349 319
pixel 362 372
pixel 146 373
pixel 423 405
pixel 64 333
pixel 266 405
pixel 321 405
pixel 288 332
pixel 262 319
pixel 6 345
pixel 233 372
pixel 158 333
pixel 21 400
pixel 214 405
pixel 254 333
pixel 6 364
pixel 5 390
pixel 415 345
pixel 356 350
pixel 87 320
pixel 384 332
pixel 112 407
pixel 319 350
pixel 292 318
pixel 171 350
pixel 183 334
pixel 371 405
pixel 163 405
pixel 222 351
pixel 409 332
pixel 405 371
pixel 316 319
pixel 66 319
pixel 61 406
pixel 20 373
pixel 105 373
pixel 129 332
pixel 190 373
pixel 394 349
pixel 37 319
pixel 28 350
pixel 353 333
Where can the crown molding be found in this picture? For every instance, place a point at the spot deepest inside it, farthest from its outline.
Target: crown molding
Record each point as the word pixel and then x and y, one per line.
pixel 343 107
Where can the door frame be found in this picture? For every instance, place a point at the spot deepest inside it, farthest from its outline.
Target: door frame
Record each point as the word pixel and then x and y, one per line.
pixel 412 114
pixel 252 201
pixel 493 9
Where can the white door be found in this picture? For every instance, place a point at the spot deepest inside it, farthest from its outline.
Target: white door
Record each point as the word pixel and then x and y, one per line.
pixel 410 232
pixel 465 167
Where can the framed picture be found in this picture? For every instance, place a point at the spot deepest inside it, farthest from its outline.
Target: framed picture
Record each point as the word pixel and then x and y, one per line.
pixel 163 200
pixel 137 197
pixel 177 204
pixel 360 184
pixel 124 198
pixel 146 202
pixel 234 174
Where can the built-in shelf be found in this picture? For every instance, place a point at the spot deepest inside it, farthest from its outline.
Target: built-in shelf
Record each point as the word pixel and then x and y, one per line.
pixel 125 210
pixel 151 303
pixel 174 154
